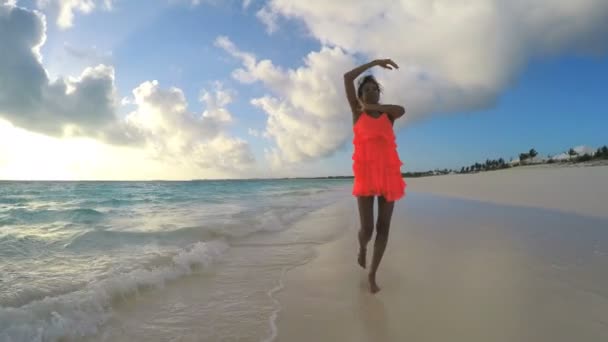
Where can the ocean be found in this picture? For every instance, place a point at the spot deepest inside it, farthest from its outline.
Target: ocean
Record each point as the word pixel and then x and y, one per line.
pixel 166 261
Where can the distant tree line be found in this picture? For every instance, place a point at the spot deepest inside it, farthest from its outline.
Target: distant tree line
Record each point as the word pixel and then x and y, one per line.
pixel 524 158
pixel 489 164
pixel 601 153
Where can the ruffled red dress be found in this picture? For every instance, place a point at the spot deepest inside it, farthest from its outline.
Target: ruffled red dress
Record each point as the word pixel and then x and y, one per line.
pixel 376 163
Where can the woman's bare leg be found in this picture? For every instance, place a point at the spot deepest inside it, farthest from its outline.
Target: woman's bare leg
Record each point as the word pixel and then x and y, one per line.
pixel 385 212
pixel 366 216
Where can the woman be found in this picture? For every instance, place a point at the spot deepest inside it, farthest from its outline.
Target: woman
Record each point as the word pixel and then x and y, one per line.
pixel 376 163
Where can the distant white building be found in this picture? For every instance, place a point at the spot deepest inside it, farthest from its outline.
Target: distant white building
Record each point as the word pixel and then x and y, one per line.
pixel 582 150
pixel 561 156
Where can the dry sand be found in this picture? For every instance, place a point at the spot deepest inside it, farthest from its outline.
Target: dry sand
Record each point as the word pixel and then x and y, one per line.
pixel 577 189
pixel 468 270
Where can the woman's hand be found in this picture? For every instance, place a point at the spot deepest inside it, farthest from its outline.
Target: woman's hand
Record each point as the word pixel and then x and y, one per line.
pixel 386 63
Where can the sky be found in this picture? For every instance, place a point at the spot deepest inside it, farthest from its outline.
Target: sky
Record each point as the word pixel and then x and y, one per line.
pixel 205 89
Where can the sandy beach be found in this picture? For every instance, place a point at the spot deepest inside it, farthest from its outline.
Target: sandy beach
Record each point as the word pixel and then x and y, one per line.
pixel 513 255
pixel 575 189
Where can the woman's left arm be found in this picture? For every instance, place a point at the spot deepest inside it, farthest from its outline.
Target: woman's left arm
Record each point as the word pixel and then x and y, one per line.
pixel 394 111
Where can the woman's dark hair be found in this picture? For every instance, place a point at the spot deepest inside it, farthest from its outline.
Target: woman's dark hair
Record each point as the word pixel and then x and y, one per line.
pixel 366 79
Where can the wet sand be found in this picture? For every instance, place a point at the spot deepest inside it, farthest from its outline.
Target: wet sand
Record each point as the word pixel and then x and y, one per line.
pixel 460 270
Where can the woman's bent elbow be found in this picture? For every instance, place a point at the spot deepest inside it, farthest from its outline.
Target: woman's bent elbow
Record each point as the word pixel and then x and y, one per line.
pixel 401 112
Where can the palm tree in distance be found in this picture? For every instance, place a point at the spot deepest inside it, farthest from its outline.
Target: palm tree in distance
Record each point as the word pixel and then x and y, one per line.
pixel 572 153
pixel 532 154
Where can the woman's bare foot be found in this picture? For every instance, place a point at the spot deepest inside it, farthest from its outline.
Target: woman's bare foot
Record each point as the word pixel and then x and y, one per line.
pixel 373 287
pixel 361 258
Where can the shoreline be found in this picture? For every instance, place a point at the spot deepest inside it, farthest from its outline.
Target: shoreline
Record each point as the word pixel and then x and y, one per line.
pixel 598 163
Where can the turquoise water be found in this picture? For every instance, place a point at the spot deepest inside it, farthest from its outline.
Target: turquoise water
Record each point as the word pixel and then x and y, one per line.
pixel 70 250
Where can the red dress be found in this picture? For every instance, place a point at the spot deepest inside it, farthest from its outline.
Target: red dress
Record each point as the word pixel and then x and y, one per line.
pixel 376 163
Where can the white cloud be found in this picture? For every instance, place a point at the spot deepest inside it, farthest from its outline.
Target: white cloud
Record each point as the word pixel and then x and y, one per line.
pixel 195 3
pixel 269 18
pixel 215 103
pixel 226 154
pixel 125 101
pixel 245 3
pixel 85 106
pixel 307 116
pixel 177 144
pixel 178 136
pixel 454 56
pixel 28 98
pixel 67 8
pixel 41 157
pixel 248 59
pixel 461 53
pixel 253 132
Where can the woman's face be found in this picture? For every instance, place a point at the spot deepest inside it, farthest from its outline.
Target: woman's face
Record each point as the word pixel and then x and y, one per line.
pixel 370 93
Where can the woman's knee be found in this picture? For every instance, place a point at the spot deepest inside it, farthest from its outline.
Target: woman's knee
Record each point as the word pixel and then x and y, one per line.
pixel 367 229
